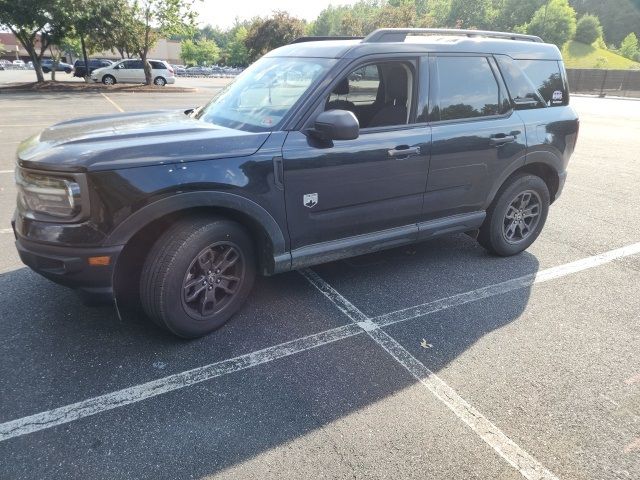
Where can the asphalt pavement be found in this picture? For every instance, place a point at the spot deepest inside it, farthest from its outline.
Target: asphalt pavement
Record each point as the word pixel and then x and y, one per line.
pixel 431 361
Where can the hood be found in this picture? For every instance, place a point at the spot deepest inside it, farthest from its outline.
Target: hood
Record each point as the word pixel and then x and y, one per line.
pixel 127 140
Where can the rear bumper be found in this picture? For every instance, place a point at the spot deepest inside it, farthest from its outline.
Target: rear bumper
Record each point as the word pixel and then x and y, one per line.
pixel 562 178
pixel 69 266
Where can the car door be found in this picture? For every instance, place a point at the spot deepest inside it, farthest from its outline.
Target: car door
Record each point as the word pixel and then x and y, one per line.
pixel 476 136
pixel 347 193
pixel 121 71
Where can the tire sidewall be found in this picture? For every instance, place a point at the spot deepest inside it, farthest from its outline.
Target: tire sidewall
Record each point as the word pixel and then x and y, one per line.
pixel 173 313
pixel 528 182
pixel 104 80
pixel 162 83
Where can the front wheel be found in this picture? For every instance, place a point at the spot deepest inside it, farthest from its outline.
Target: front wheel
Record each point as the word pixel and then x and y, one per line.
pixel 109 80
pixel 197 275
pixel 516 217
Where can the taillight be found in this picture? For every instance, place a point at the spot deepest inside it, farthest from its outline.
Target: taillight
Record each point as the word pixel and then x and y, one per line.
pixel 171 70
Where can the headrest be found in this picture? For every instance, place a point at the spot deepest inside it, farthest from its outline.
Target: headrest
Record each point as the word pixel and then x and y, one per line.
pixel 342 88
pixel 396 83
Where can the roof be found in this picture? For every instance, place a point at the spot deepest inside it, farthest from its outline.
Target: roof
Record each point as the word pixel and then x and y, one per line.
pixel 441 41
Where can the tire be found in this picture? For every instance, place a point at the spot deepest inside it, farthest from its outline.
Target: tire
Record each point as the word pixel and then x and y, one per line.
pixel 46 70
pixel 109 80
pixel 512 223
pixel 187 254
pixel 67 71
pixel 159 81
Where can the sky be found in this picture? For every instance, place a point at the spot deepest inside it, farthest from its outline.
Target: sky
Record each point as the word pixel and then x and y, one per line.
pixel 223 12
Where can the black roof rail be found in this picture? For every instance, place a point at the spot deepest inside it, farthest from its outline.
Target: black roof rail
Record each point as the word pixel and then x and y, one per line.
pixel 400 34
pixel 318 39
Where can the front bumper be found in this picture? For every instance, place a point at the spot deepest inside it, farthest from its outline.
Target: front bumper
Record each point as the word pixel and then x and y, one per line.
pixel 70 266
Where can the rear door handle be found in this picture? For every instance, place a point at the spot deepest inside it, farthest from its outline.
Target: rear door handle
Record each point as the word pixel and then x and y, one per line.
pixel 403 151
pixel 500 139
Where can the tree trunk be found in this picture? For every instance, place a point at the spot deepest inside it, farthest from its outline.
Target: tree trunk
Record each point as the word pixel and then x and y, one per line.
pixel 27 43
pixel 85 57
pixel 148 74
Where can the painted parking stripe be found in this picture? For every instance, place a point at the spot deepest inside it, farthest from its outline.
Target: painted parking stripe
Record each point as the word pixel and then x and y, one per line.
pixel 92 406
pixel 127 396
pixel 6 171
pixel 517 283
pixel 112 102
pixel 518 458
pixel 6 230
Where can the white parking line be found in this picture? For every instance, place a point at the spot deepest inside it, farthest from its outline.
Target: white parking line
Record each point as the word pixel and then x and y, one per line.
pixel 6 230
pixel 528 466
pixel 137 393
pixel 112 102
pixel 127 396
pixel 6 171
pixel 504 287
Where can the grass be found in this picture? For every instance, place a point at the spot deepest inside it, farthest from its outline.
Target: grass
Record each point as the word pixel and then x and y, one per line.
pixel 581 55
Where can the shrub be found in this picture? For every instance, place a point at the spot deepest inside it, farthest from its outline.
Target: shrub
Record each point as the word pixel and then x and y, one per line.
pixel 588 29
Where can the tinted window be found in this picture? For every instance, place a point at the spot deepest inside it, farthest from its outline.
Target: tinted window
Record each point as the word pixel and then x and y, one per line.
pixel 467 88
pixel 546 77
pixel 134 64
pixel 523 93
pixel 158 65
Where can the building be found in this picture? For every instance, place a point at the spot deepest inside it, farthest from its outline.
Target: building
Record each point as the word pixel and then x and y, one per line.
pixel 165 49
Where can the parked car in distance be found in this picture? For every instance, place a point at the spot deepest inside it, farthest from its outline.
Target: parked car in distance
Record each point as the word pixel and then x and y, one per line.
pixel 198 70
pixel 47 66
pixel 132 71
pixel 80 70
pixel 19 64
pixel 318 151
pixel 179 69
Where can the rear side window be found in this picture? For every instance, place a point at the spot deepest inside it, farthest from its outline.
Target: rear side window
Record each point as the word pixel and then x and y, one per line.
pixel 158 66
pixel 467 88
pixel 546 77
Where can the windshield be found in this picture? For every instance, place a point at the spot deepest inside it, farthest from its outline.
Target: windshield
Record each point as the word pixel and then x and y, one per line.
pixel 262 95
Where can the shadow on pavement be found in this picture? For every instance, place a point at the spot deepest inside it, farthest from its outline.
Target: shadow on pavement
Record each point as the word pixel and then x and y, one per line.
pixel 55 351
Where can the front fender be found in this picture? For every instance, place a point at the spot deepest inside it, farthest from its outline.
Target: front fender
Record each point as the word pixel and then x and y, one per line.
pixel 183 201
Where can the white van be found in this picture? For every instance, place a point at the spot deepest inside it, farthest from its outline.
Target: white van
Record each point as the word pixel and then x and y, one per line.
pixel 132 71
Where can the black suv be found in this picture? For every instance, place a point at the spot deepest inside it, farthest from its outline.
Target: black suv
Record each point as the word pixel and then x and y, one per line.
pixel 319 151
pixel 80 70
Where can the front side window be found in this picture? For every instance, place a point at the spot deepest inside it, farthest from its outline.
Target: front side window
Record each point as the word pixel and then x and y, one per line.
pixel 467 88
pixel 378 94
pixel 264 93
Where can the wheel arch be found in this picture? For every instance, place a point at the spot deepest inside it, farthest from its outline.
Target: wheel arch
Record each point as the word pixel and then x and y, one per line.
pixel 542 164
pixel 142 228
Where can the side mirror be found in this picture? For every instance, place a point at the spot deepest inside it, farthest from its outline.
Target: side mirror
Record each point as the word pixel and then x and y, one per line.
pixel 337 125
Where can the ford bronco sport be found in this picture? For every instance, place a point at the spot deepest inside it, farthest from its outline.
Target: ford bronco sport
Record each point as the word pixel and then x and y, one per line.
pixel 319 151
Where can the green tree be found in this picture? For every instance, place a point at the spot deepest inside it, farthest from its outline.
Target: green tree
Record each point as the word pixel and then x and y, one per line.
pixel 265 34
pixel 617 17
pixel 34 24
pixel 155 19
pixel 555 22
pixel 236 53
pixel 629 46
pixel 470 14
pixel 511 13
pixel 588 29
pixel 200 52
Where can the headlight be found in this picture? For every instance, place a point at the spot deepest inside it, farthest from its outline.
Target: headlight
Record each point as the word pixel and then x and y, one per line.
pixel 49 195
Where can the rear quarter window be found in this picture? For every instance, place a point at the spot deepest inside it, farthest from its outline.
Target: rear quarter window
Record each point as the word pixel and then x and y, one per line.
pixel 158 66
pixel 546 76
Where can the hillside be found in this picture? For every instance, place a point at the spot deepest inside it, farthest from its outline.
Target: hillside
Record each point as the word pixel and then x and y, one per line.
pixel 580 55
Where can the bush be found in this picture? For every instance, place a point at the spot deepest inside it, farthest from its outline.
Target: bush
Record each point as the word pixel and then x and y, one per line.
pixel 588 29
pixel 629 46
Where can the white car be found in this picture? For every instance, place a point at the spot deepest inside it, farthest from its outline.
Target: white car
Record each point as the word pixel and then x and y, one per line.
pixel 19 64
pixel 132 71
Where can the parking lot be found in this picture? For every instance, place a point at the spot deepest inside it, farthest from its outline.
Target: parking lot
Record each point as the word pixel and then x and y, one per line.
pixel 431 361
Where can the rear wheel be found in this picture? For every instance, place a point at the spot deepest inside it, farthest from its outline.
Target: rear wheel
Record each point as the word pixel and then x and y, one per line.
pixel 197 275
pixel 516 217
pixel 109 80
pixel 160 81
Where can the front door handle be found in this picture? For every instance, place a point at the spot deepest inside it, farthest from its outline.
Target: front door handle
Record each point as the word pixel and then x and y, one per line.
pixel 501 139
pixel 403 151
